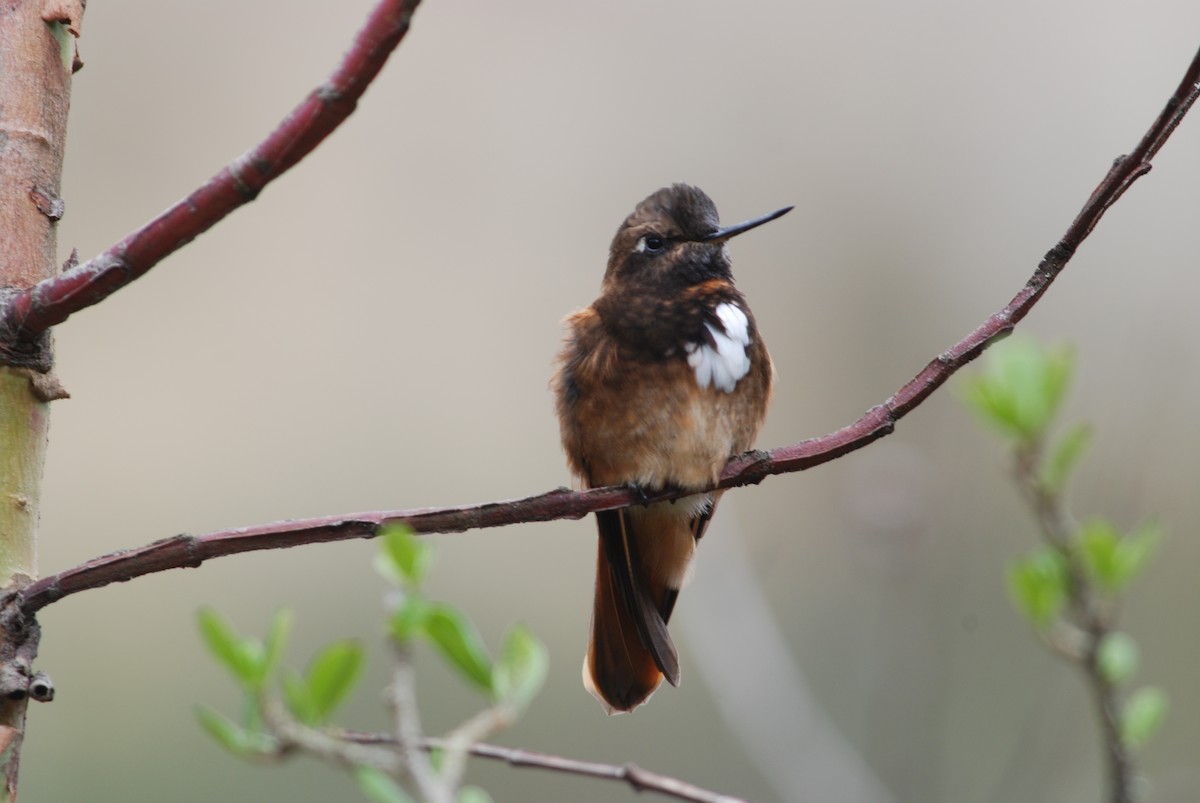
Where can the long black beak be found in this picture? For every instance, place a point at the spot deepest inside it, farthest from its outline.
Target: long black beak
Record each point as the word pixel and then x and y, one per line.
pixel 721 235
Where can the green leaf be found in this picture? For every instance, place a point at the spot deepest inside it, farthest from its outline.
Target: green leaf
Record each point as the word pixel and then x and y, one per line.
pixel 222 642
pixel 1137 548
pixel 1021 387
pixel 378 786
pixel 1064 456
pixel 1098 541
pixel 231 736
pixel 298 698
pixel 1144 713
pixel 990 404
pixel 244 658
pixel 1039 584
pixel 1114 561
pixel 522 668
pixel 331 675
pixel 459 642
pixel 226 732
pixel 277 634
pixel 403 559
pixel 473 794
pixel 408 619
pixel 1117 658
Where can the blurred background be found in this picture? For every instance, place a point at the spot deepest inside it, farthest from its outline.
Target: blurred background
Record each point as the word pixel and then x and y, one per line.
pixel 378 330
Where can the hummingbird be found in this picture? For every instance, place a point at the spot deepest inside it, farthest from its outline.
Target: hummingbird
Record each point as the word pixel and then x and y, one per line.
pixel 659 382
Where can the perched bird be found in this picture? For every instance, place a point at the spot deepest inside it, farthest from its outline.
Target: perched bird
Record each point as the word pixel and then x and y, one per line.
pixel 659 382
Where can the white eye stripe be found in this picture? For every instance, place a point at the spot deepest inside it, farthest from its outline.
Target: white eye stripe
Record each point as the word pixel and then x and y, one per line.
pixel 725 361
pixel 640 247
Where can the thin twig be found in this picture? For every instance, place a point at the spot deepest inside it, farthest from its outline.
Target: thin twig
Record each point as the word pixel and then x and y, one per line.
pixel 457 743
pixel 290 736
pixel 640 779
pixel 53 300
pixel 402 698
pixel 403 754
pixel 749 468
pixel 1087 621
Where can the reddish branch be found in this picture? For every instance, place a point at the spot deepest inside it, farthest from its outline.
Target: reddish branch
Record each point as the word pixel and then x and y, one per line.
pixel 186 550
pixel 53 300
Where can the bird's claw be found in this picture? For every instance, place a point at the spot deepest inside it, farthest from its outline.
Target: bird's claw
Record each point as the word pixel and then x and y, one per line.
pixel 639 493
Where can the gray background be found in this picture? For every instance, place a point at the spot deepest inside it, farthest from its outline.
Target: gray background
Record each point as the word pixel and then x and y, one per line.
pixel 377 331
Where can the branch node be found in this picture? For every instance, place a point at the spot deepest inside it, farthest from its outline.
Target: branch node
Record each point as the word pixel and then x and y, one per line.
pixel 329 94
pixel 759 466
pixel 1051 264
pixel 191 547
pixel 18 348
pixel 236 169
pixel 19 637
pixel 634 775
pixel 1006 328
pixel 890 416
pixel 47 202
pixel 41 688
pixel 72 261
pixel 68 13
pixel 45 387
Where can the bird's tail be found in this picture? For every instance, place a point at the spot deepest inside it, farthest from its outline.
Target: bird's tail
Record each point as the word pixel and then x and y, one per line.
pixel 643 558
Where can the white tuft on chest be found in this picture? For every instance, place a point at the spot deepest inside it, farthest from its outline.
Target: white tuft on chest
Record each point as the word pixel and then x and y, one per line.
pixel 725 361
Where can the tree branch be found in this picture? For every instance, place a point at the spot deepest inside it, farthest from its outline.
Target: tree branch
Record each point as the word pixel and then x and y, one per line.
pixel 641 780
pixel 749 468
pixel 1087 623
pixel 53 300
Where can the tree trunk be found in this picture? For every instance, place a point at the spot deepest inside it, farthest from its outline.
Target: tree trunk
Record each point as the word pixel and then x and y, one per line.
pixel 37 58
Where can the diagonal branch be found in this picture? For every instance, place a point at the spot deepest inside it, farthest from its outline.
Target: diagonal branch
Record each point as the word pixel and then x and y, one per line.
pixel 51 301
pixel 749 468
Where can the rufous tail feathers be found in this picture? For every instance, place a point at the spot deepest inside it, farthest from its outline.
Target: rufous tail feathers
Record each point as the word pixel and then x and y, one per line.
pixel 642 560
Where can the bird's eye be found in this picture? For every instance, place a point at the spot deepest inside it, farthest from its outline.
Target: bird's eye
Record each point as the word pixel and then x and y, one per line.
pixel 651 244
